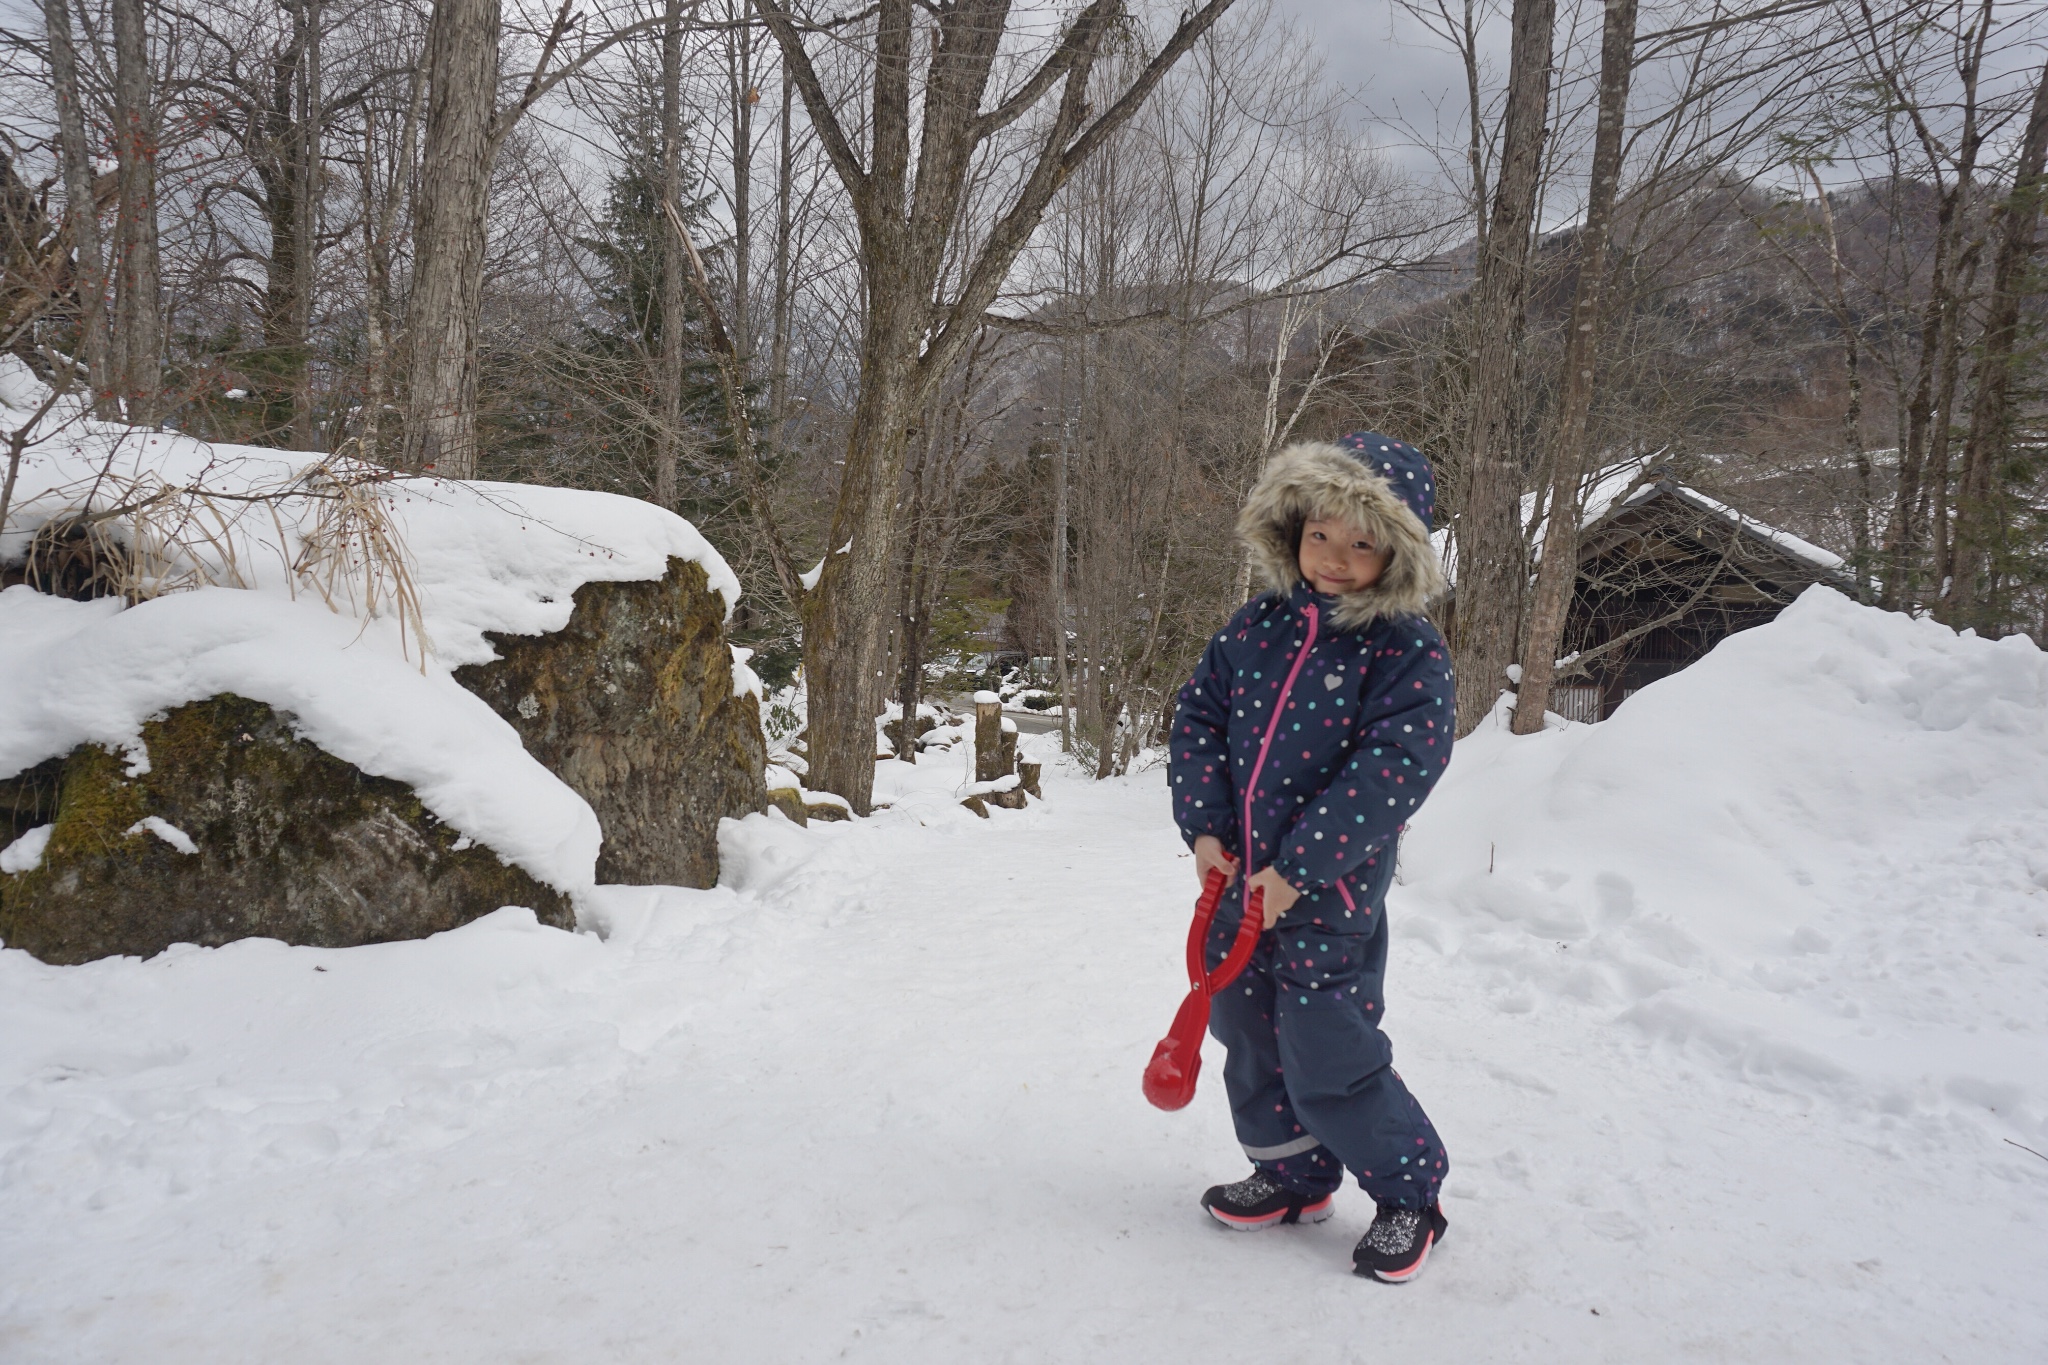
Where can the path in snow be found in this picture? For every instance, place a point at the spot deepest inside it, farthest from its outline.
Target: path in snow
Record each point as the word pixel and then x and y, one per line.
pixel 882 1104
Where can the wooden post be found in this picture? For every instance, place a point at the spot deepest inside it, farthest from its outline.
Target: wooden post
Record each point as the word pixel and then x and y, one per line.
pixel 988 737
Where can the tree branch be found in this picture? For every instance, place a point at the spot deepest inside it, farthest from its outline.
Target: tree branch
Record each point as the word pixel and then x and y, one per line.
pixel 817 105
pixel 1057 160
pixel 539 82
pixel 1078 38
pixel 1191 29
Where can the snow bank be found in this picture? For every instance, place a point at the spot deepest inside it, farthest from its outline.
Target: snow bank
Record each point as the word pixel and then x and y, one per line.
pixel 1814 857
pixel 477 557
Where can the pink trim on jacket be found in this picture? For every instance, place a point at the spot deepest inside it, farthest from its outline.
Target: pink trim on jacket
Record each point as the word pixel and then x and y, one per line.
pixel 1251 787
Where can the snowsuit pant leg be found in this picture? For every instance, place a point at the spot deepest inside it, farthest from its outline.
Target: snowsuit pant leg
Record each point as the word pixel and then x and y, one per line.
pixel 1310 1077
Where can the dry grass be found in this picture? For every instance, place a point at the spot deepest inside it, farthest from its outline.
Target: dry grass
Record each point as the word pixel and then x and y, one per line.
pixel 329 526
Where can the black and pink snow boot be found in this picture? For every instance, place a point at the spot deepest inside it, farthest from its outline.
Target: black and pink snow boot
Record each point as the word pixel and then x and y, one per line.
pixel 1260 1201
pixel 1398 1242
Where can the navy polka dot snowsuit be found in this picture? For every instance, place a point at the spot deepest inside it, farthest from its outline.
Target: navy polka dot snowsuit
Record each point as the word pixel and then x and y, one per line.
pixel 1305 744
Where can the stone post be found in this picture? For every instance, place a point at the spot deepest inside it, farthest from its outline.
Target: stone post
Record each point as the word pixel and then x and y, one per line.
pixel 988 737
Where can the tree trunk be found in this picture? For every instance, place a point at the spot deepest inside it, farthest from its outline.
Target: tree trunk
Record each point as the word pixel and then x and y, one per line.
pixel 778 354
pixel 1852 425
pixel 379 224
pixel 81 210
pixel 1852 407
pixel 1491 570
pixel 1902 533
pixel 910 597
pixel 1922 494
pixel 668 439
pixel 1941 426
pixel 376 301
pixel 1558 572
pixel 287 168
pixel 306 226
pixel 138 331
pixel 843 615
pixel 277 171
pixel 1990 415
pixel 447 290
pixel 740 78
pixel 1062 669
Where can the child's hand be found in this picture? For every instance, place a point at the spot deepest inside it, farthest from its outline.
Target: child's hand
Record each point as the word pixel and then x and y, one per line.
pixel 1209 854
pixel 1280 894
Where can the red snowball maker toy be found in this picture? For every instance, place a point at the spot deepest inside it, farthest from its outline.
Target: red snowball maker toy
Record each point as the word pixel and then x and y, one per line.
pixel 1177 1061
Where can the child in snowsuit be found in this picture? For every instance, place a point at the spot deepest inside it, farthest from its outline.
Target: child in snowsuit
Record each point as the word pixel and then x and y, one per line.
pixel 1313 728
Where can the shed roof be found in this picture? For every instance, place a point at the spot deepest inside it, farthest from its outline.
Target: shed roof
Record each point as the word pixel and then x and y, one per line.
pixel 1634 484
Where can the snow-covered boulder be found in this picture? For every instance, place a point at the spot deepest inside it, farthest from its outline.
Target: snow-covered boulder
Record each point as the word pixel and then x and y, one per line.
pixel 238 828
pixel 343 603
pixel 634 704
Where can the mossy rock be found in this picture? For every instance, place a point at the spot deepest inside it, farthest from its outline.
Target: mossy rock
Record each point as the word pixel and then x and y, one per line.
pixel 292 843
pixel 632 705
pixel 790 802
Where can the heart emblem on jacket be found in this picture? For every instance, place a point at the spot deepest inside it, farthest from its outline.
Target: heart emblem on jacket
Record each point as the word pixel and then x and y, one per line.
pixel 1332 681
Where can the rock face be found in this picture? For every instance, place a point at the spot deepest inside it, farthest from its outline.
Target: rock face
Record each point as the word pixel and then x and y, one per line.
pixel 289 842
pixel 632 705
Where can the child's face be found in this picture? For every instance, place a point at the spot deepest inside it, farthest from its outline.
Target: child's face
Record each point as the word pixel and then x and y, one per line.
pixel 1337 557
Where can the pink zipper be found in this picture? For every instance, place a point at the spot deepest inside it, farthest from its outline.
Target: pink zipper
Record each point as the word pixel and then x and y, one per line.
pixel 1267 743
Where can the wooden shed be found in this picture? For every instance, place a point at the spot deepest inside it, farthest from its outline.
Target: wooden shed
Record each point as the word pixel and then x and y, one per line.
pixel 1665 574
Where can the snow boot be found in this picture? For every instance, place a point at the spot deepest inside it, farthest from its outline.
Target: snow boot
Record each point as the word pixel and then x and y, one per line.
pixel 1260 1201
pixel 1398 1242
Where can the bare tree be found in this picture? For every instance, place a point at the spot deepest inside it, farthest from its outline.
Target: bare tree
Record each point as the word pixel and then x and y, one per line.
pixel 465 130
pixel 455 179
pixel 1488 535
pixel 675 264
pixel 1558 569
pixel 918 320
pixel 945 513
pixel 138 317
pixel 386 171
pixel 2012 231
pixel 1893 53
pixel 81 206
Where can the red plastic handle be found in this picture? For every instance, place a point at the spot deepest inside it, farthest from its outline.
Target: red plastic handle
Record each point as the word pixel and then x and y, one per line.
pixel 1177 1061
pixel 1205 915
pixel 1248 930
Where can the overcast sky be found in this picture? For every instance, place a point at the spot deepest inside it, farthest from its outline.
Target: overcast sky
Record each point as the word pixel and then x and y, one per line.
pixel 1399 73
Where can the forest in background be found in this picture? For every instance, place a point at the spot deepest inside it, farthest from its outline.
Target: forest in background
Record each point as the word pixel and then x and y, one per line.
pixel 960 324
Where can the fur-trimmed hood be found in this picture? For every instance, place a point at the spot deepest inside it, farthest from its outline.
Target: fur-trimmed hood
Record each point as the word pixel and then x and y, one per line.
pixel 1383 486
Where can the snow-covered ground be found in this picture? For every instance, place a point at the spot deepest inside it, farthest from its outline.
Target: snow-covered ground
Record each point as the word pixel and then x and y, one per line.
pixel 1731 1011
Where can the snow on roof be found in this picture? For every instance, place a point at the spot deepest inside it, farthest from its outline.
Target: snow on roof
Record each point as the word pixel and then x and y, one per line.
pixel 1784 540
pixel 368 680
pixel 1602 491
pixel 1628 484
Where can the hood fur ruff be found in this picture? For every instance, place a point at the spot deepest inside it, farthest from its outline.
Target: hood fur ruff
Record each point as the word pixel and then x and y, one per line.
pixel 1317 479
